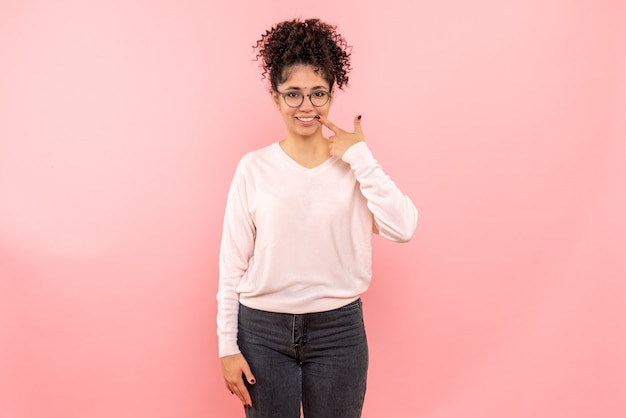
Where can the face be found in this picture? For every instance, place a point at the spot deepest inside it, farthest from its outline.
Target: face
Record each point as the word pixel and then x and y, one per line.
pixel 300 121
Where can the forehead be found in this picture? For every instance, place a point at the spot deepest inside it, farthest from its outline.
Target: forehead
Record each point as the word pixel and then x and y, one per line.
pixel 303 77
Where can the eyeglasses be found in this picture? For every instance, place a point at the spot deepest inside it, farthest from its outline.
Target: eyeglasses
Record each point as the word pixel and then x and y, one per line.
pixel 295 98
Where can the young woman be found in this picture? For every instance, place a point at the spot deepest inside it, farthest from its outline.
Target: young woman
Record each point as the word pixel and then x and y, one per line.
pixel 296 245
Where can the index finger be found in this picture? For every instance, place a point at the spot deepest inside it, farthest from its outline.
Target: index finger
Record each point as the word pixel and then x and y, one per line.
pixel 336 129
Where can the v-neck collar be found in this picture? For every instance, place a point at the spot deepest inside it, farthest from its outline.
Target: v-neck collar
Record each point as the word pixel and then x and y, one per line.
pixel 299 167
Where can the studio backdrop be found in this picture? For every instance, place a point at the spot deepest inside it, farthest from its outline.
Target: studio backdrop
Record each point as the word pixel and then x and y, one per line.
pixel 121 123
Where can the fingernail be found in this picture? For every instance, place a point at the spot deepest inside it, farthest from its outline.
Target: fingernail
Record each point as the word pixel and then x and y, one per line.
pixel 252 381
pixel 359 117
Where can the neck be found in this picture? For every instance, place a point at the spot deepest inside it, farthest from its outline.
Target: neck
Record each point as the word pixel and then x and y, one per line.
pixel 309 152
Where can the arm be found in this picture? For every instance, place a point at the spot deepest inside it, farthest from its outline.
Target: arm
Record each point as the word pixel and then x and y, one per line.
pixel 235 252
pixel 395 215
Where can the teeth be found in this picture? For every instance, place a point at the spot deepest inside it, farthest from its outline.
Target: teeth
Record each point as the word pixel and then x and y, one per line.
pixel 306 119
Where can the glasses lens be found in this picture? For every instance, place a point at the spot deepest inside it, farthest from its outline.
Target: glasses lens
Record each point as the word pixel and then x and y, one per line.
pixel 319 98
pixel 293 99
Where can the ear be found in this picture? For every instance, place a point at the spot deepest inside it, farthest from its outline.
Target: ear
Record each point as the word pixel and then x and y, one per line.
pixel 275 99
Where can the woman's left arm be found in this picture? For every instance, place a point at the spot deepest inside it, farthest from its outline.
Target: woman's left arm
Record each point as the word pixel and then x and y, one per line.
pixel 395 215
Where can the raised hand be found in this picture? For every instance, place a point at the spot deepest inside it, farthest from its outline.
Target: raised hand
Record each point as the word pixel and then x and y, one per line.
pixel 342 140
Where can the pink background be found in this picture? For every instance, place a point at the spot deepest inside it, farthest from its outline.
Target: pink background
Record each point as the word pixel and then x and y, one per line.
pixel 120 127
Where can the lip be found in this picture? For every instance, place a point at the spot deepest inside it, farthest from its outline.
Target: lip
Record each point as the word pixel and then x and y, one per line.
pixel 307 120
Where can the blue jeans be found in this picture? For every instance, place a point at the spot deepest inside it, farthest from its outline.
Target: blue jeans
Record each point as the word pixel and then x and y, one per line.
pixel 318 360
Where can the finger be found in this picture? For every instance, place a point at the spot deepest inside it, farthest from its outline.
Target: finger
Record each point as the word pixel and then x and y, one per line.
pixel 336 129
pixel 229 388
pixel 357 125
pixel 248 373
pixel 239 395
pixel 243 395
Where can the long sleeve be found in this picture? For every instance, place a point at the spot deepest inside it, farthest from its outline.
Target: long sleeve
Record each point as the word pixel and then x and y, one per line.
pixel 395 215
pixel 236 250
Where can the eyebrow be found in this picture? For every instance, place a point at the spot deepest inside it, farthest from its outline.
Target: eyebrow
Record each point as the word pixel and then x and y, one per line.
pixel 312 88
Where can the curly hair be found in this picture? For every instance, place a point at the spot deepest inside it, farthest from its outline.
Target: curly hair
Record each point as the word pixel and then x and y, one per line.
pixel 309 42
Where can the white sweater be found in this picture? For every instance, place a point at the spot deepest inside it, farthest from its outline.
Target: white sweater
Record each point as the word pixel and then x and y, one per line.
pixel 298 240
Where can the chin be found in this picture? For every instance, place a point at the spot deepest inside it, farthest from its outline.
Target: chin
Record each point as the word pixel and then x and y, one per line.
pixel 306 132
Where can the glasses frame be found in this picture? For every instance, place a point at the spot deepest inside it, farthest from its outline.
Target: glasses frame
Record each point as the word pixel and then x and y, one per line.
pixel 302 96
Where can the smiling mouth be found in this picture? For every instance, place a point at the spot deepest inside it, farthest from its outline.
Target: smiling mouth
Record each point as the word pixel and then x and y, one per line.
pixel 308 119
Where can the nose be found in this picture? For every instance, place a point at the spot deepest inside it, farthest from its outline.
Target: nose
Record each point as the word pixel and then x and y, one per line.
pixel 306 103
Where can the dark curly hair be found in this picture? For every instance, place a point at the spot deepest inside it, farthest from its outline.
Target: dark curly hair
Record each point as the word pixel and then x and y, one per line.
pixel 309 42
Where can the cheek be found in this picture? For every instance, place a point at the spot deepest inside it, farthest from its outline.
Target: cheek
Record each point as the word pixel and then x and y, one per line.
pixel 287 114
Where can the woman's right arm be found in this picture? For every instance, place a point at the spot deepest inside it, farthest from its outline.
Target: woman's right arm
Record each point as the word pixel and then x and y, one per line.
pixel 236 250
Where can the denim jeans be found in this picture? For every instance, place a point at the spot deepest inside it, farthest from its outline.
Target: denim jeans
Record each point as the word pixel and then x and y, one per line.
pixel 317 360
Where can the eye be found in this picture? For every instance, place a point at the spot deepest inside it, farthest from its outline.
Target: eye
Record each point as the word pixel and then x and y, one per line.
pixel 292 94
pixel 320 94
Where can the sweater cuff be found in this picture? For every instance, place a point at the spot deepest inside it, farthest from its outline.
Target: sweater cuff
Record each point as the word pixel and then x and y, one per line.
pixel 357 153
pixel 228 347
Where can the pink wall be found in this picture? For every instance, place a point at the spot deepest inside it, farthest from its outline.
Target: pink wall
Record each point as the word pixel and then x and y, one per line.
pixel 121 124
